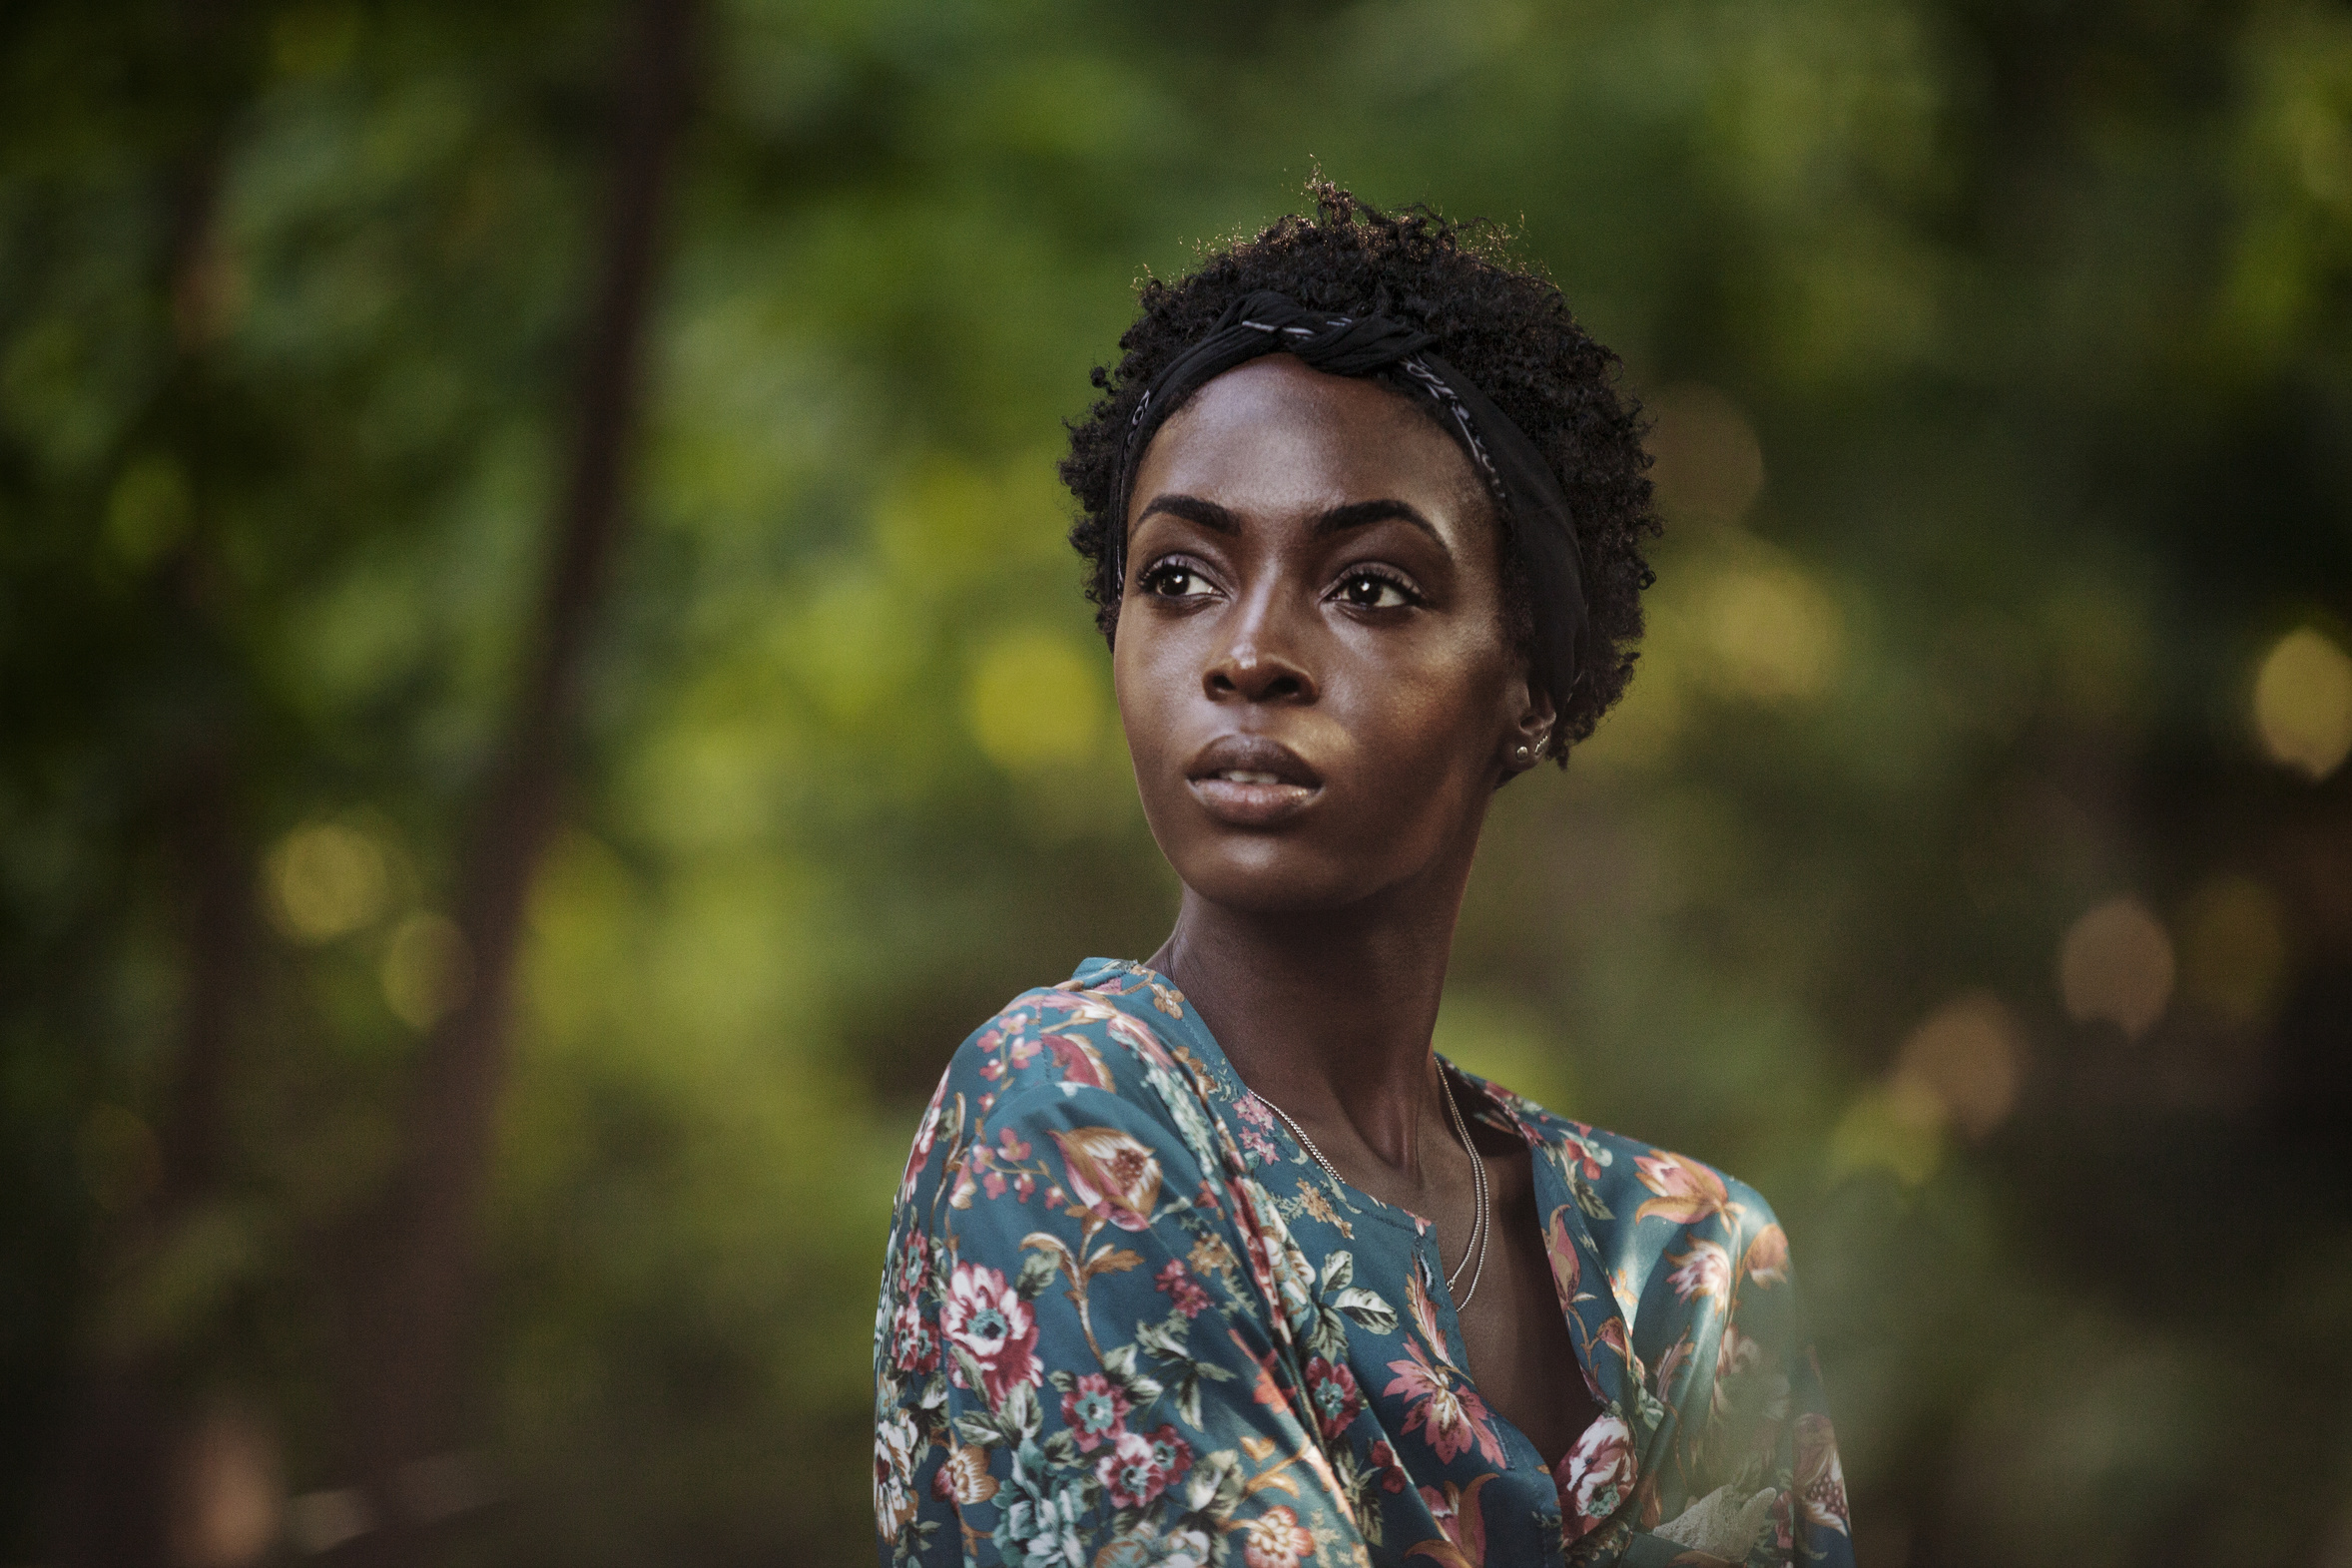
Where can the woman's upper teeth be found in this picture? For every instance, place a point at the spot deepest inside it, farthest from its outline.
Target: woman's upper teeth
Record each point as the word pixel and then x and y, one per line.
pixel 1243 776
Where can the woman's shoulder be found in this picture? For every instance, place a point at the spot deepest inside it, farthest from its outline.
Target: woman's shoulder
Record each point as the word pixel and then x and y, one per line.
pixel 1616 1177
pixel 1103 1030
pixel 1111 1046
pixel 1096 1068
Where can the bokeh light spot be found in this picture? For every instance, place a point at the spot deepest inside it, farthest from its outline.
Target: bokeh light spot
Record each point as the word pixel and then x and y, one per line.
pixel 228 1493
pixel 1896 1127
pixel 2303 704
pixel 1708 464
pixel 854 650
pixel 326 879
pixel 2234 950
pixel 427 971
pixel 1035 702
pixel 1968 1055
pixel 1774 632
pixel 2115 964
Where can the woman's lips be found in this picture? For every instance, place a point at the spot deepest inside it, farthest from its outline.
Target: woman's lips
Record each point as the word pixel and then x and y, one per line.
pixel 1247 798
pixel 1251 780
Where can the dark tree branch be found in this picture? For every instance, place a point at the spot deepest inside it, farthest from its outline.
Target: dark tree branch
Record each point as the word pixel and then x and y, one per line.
pixel 413 1290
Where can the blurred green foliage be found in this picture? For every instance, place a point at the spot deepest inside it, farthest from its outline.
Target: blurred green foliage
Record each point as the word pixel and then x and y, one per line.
pixel 2001 354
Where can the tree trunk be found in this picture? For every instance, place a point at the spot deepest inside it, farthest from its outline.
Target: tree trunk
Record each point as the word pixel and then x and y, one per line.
pixel 413 1285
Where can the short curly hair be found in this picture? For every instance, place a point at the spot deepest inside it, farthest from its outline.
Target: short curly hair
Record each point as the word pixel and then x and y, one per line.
pixel 1504 328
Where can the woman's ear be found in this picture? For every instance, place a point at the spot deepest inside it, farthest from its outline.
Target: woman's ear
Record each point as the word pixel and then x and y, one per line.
pixel 1533 717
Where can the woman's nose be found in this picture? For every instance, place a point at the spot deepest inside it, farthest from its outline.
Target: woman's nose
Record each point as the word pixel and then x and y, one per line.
pixel 1256 664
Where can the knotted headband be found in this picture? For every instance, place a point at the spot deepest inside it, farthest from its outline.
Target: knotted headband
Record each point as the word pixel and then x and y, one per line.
pixel 1537 527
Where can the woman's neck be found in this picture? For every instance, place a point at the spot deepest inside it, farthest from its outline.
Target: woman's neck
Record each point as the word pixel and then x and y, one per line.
pixel 1328 1014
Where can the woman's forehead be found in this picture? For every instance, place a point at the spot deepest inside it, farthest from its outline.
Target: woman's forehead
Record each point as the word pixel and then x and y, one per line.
pixel 1273 436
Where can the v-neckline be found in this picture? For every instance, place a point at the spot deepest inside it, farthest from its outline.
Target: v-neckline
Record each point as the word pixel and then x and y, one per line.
pixel 1211 1056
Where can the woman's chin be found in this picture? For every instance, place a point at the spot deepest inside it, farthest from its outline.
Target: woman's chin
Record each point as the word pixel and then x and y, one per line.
pixel 1272 877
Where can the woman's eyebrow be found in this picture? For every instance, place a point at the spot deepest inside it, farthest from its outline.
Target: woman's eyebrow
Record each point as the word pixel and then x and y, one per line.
pixel 1363 514
pixel 1338 520
pixel 1192 509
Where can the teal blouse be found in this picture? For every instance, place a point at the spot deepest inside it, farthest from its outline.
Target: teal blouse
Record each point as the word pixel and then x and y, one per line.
pixel 1125 1321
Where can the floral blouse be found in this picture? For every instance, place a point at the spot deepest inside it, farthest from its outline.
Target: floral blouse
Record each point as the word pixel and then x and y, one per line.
pixel 1126 1320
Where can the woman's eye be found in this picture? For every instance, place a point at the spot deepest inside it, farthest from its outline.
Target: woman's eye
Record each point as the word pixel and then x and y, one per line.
pixel 1175 581
pixel 1371 591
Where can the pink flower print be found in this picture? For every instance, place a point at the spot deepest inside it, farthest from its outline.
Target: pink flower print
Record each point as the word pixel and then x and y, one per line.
pixel 1462 1519
pixel 1583 1157
pixel 1113 1177
pixel 1392 1477
pixel 1277 1540
pixel 1254 1110
pixel 992 1325
pixel 1081 1065
pixel 1015 1149
pixel 1425 1311
pixel 1450 1418
pixel 1703 1270
pixel 1688 1191
pixel 1182 1290
pixel 914 1347
pixel 1559 1246
pixel 1139 1468
pixel 1596 1476
pixel 913 1264
pixel 1095 1410
pixel 926 1137
pixel 1441 1510
pixel 992 1183
pixel 1820 1480
pixel 1333 1392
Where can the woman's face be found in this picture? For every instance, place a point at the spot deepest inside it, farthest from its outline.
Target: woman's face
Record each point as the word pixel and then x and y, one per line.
pixel 1313 665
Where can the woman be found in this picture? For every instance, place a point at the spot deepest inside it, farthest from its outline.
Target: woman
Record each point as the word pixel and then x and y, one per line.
pixel 1209 1258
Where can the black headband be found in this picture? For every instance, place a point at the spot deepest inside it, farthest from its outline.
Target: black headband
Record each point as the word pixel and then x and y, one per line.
pixel 1537 525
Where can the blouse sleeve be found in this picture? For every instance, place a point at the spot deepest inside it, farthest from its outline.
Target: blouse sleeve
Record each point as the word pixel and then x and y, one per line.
pixel 1730 1448
pixel 1073 1346
pixel 1766 1388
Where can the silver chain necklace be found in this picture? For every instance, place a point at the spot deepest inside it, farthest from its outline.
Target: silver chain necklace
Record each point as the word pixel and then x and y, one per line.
pixel 1480 1227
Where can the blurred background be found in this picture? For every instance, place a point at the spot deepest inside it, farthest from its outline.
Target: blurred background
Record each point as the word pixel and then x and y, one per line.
pixel 542 693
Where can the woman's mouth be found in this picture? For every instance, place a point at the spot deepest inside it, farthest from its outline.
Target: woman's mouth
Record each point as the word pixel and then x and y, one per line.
pixel 1249 781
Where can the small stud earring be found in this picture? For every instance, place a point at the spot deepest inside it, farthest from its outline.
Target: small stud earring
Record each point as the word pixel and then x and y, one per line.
pixel 1522 754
